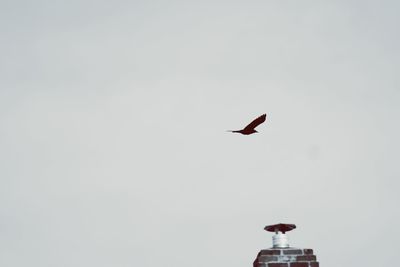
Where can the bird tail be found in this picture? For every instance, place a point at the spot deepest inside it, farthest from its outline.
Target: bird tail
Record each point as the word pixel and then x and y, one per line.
pixel 232 131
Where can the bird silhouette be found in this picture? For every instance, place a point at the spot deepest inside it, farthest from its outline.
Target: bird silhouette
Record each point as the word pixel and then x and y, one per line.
pixel 250 129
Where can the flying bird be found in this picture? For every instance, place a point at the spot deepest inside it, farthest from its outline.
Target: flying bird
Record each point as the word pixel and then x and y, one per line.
pixel 250 129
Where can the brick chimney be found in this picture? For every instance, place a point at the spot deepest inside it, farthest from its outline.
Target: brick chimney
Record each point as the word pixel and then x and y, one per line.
pixel 281 254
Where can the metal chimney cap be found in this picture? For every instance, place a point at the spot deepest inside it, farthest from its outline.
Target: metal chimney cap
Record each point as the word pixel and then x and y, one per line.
pixel 280 227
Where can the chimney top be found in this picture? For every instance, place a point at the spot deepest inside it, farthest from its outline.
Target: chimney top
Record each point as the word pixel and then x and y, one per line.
pixel 281 254
pixel 280 240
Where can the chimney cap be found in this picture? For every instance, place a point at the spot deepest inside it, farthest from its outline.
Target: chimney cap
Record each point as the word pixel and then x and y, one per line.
pixel 280 227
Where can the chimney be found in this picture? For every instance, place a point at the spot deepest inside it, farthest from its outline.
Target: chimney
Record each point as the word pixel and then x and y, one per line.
pixel 281 254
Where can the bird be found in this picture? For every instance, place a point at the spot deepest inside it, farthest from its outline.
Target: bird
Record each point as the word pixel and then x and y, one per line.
pixel 250 129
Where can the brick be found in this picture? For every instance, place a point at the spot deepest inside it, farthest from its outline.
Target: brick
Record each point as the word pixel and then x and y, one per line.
pixel 308 251
pixel 314 264
pixel 270 252
pixel 278 265
pixel 292 252
pixel 306 258
pixel 286 258
pixel 267 258
pixel 299 264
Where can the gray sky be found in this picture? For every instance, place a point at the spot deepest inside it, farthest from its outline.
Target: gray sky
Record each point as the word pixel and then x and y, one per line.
pixel 113 150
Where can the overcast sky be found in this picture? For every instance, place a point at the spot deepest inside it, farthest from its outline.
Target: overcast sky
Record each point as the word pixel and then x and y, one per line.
pixel 113 142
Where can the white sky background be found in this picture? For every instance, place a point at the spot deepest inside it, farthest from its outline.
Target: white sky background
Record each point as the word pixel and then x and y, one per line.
pixel 113 150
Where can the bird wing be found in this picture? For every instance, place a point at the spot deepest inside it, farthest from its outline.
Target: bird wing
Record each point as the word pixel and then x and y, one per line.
pixel 256 122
